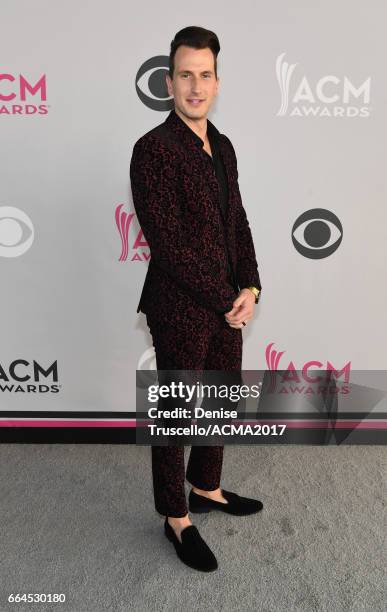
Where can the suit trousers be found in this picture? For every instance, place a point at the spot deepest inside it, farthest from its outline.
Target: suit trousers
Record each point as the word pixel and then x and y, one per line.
pixel 200 343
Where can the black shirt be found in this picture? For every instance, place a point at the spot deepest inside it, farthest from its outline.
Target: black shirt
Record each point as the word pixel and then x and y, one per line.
pixel 223 187
pixel 220 172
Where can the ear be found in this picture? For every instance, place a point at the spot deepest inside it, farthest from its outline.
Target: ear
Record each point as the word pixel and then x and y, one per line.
pixel 169 85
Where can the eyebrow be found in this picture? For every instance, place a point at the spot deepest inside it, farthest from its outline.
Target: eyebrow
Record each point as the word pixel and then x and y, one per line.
pixel 190 72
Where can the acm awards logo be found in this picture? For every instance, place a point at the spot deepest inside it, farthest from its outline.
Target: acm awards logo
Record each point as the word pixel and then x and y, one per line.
pixel 308 378
pixel 317 233
pixel 327 96
pixel 20 95
pixel 133 244
pixel 21 376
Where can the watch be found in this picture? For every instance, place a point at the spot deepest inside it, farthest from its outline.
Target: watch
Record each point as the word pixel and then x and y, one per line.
pixel 257 293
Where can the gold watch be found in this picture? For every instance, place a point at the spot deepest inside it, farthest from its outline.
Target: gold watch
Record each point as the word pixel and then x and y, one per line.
pixel 256 293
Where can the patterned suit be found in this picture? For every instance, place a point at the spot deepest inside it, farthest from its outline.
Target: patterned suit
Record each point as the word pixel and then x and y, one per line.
pixel 201 257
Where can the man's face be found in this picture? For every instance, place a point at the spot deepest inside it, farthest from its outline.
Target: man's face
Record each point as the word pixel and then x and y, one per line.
pixel 194 85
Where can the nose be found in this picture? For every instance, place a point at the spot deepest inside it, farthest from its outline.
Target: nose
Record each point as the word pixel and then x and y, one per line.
pixel 195 86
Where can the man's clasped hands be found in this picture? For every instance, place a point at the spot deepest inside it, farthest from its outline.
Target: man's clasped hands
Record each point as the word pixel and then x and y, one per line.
pixel 242 310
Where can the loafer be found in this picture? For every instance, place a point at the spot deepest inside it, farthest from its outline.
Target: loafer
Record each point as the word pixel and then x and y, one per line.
pixel 192 549
pixel 237 505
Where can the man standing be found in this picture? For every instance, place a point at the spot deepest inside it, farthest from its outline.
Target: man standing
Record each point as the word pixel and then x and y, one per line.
pixel 202 281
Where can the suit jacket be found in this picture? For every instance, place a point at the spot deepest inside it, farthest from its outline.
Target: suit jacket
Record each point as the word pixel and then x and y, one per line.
pixel 176 198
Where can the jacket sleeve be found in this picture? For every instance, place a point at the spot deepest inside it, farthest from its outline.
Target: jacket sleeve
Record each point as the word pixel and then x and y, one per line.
pixel 247 267
pixel 155 191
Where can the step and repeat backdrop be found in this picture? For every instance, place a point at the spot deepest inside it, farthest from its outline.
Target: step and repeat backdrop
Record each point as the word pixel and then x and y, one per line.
pixel 303 99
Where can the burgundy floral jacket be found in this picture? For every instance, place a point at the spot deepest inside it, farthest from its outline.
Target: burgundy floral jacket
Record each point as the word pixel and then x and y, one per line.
pixel 176 198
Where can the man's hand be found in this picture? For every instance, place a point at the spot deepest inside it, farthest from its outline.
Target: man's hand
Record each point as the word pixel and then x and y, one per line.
pixel 242 309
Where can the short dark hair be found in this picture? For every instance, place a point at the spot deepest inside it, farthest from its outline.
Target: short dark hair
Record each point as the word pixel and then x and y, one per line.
pixel 197 38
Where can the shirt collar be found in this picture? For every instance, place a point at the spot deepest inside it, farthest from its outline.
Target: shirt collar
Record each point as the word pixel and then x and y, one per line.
pixel 180 127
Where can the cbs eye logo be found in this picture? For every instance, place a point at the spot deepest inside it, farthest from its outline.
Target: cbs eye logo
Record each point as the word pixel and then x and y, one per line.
pixel 16 232
pixel 151 86
pixel 146 371
pixel 317 233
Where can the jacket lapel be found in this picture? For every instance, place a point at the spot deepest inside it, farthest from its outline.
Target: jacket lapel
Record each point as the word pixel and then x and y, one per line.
pixel 192 140
pixel 228 171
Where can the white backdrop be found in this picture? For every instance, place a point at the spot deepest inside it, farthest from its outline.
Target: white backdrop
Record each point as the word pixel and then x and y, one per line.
pixel 68 294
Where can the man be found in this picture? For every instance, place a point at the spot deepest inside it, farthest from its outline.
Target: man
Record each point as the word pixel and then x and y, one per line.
pixel 202 282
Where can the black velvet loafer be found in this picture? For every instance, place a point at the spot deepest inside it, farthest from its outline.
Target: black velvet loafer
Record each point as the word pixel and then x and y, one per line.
pixel 192 549
pixel 237 505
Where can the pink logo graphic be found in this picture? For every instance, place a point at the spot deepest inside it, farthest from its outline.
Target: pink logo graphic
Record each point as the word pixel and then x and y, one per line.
pixel 18 89
pixel 303 376
pixel 127 225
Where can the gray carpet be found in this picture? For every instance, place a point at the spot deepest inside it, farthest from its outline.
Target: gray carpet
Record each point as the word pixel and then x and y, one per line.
pixel 80 520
